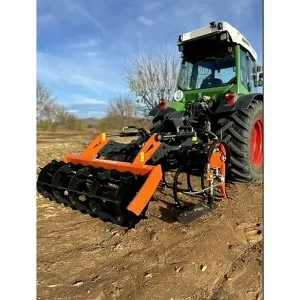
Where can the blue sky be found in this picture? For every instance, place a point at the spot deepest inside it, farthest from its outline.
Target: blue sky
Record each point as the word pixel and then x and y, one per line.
pixel 82 45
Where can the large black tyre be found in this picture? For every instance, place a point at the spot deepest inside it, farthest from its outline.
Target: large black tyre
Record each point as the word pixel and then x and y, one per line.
pixel 243 133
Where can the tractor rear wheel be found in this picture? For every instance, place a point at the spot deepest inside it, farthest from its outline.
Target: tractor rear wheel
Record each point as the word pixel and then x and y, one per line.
pixel 243 133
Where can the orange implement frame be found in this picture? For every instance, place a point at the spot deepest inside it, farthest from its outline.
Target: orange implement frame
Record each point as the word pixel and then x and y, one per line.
pixel 138 167
pixel 216 161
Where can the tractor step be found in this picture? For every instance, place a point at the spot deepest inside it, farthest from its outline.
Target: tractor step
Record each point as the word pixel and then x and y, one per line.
pixel 191 215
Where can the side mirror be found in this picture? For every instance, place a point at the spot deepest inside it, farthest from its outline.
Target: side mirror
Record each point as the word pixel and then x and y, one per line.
pixel 259 69
pixel 258 82
pixel 258 76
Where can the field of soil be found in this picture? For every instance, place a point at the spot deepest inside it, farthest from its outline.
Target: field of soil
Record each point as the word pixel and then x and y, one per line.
pixel 218 257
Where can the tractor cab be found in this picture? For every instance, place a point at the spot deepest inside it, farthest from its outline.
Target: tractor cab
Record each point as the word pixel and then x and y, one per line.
pixel 203 71
pixel 215 59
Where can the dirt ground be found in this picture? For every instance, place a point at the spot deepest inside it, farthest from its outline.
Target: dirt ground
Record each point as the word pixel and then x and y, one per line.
pixel 218 257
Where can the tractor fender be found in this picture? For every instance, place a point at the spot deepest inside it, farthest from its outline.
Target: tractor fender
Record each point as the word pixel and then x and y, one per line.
pixel 175 115
pixel 157 112
pixel 168 113
pixel 243 102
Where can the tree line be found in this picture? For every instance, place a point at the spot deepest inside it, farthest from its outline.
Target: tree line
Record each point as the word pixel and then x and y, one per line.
pixel 50 115
pixel 149 78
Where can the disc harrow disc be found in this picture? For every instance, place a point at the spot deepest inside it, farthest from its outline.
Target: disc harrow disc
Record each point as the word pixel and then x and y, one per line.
pixel 61 181
pixel 44 181
pixel 110 193
pixel 78 189
pixel 96 191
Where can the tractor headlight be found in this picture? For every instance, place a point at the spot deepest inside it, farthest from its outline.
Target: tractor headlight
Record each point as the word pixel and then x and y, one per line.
pixel 178 96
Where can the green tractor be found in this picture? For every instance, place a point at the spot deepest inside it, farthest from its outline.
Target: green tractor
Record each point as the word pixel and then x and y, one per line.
pixel 217 90
pixel 213 128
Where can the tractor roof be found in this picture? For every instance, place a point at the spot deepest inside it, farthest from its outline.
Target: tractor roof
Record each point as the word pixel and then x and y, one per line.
pixel 218 27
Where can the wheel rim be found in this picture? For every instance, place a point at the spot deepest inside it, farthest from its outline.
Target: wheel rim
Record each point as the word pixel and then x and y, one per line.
pixel 256 143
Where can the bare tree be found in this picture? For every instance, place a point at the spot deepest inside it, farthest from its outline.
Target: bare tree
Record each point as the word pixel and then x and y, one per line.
pixel 122 106
pixel 46 108
pixel 152 77
pixel 49 112
pixel 65 118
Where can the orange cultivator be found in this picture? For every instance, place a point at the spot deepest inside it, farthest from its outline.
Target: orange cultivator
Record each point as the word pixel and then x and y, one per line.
pixel 119 190
pixel 81 181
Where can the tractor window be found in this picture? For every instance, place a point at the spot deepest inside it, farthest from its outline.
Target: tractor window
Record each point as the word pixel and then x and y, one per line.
pixel 226 74
pixel 206 73
pixel 247 65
